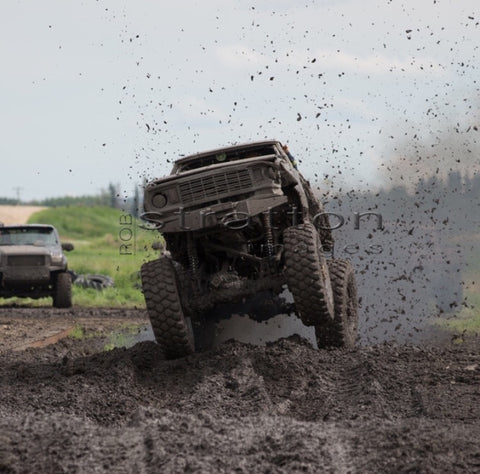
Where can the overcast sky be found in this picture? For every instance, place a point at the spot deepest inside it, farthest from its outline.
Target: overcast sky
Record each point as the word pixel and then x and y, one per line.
pixel 104 91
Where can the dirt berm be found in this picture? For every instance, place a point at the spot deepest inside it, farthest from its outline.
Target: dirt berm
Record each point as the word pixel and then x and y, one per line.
pixel 285 407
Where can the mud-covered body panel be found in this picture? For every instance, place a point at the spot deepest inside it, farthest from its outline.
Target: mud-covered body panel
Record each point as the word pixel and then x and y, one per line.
pixel 214 195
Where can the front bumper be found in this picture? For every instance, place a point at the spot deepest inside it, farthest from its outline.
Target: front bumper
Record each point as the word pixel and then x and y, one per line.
pixel 233 215
pixel 26 275
pixel 23 275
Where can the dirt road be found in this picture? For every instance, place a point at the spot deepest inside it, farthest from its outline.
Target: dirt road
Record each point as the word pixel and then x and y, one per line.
pixel 70 406
pixel 17 214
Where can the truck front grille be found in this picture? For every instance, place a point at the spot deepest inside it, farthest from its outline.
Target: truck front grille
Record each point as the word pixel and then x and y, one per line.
pixel 26 260
pixel 215 186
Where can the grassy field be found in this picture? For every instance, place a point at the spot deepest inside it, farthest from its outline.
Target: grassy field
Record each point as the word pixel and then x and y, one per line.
pixel 467 318
pixel 107 241
pixel 110 242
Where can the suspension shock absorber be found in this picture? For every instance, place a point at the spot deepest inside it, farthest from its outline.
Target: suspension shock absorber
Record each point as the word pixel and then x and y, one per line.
pixel 193 264
pixel 192 254
pixel 267 224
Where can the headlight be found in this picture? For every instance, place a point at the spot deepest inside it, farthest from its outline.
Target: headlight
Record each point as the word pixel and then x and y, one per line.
pixel 56 259
pixel 271 173
pixel 159 200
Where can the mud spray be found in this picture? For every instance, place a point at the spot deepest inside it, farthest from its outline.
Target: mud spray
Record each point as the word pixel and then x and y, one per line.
pixel 412 270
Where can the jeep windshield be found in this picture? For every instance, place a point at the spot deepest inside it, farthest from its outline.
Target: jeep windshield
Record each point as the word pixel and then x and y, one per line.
pixel 222 156
pixel 27 236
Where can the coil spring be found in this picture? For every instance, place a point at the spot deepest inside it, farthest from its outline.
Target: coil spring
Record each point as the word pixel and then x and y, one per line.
pixel 268 233
pixel 192 254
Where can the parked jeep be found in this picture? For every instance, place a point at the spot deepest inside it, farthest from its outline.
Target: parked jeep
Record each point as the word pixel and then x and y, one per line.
pixel 32 264
pixel 238 221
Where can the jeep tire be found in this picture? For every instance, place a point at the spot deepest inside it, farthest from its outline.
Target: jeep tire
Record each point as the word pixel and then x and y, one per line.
pixel 62 290
pixel 307 274
pixel 172 330
pixel 342 330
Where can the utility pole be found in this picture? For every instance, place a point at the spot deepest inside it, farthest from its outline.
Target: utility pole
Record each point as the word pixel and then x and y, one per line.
pixel 17 190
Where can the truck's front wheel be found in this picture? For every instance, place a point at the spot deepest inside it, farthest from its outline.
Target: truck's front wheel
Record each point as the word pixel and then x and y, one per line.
pixel 62 290
pixel 172 330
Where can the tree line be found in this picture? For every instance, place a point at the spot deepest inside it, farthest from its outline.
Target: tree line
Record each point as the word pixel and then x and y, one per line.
pixel 113 197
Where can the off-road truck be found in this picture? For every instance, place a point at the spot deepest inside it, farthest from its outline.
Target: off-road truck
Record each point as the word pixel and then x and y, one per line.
pixel 238 221
pixel 33 265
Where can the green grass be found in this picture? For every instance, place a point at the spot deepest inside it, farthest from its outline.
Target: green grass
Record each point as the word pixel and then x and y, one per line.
pixel 107 241
pixel 467 319
pixel 78 222
pixel 77 333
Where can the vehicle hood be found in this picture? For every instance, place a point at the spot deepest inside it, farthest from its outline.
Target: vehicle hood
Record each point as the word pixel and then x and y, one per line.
pixel 27 250
pixel 220 166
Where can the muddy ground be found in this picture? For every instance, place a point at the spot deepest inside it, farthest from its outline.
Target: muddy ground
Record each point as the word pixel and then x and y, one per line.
pixel 69 405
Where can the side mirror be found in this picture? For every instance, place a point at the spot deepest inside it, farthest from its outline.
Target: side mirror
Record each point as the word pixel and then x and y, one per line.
pixel 67 246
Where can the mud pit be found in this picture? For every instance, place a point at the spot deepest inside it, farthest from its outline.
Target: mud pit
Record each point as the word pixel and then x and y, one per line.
pixel 70 406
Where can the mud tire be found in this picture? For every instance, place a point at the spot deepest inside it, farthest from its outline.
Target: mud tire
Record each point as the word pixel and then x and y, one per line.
pixel 342 330
pixel 321 219
pixel 307 274
pixel 172 330
pixel 62 290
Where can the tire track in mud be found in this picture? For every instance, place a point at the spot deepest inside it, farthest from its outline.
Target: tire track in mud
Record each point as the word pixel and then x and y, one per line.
pixel 45 339
pixel 329 385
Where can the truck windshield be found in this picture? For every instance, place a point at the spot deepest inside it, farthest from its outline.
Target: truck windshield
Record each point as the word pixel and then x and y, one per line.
pixel 27 236
pixel 223 156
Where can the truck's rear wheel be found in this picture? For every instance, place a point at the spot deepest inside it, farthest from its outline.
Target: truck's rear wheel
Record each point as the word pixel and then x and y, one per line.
pixel 307 274
pixel 62 290
pixel 342 330
pixel 172 330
